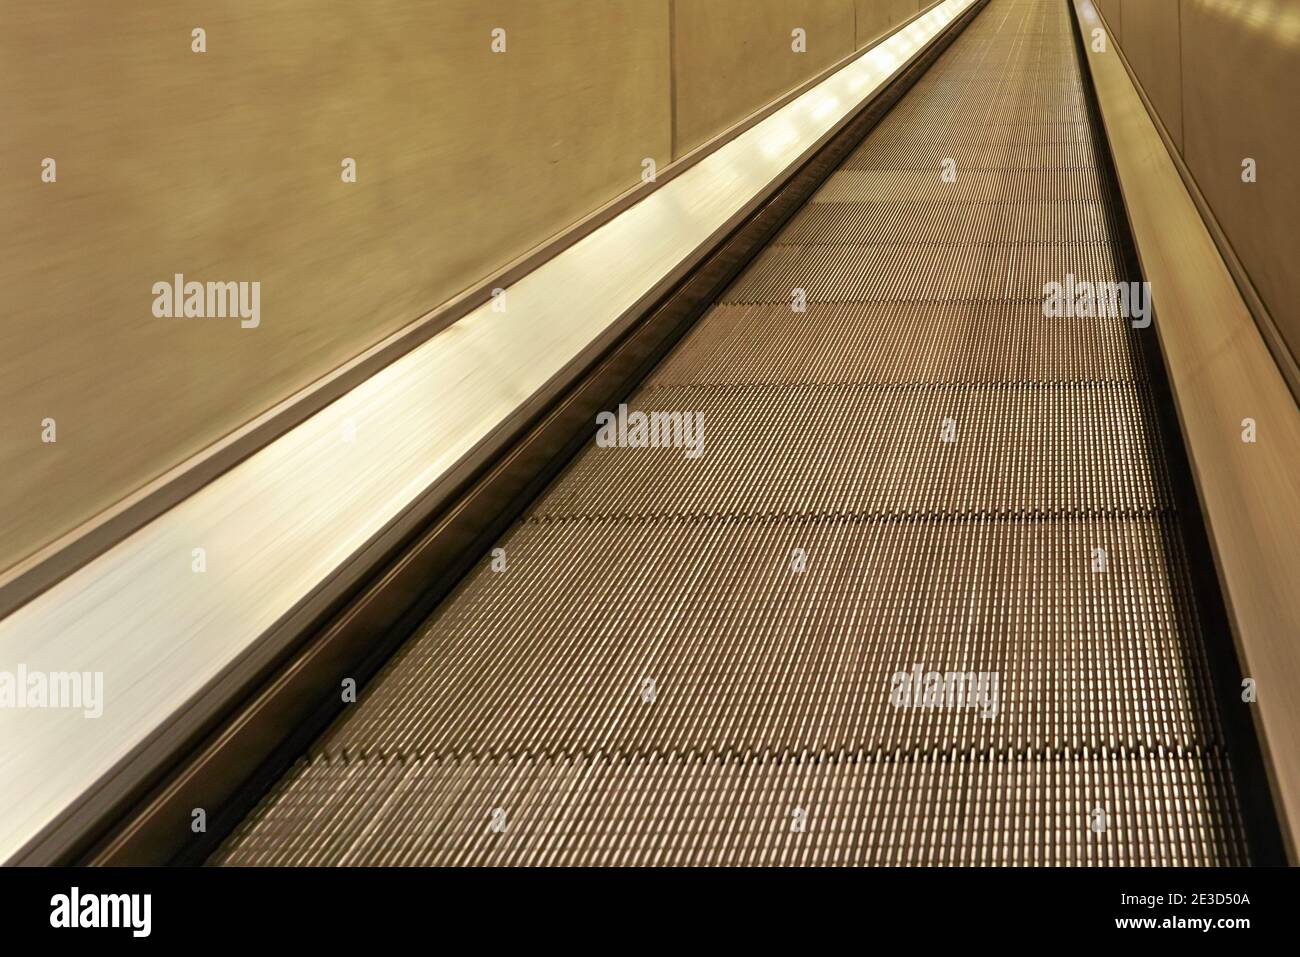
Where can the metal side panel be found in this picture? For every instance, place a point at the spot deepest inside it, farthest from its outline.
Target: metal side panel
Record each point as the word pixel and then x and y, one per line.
pixel 1224 380
pixel 906 470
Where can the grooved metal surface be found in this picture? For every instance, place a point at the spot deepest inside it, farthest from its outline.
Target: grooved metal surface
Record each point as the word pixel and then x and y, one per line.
pixel 970 186
pixel 838 273
pixel 941 223
pixel 656 809
pixel 859 448
pixel 696 660
pixel 748 643
pixel 896 343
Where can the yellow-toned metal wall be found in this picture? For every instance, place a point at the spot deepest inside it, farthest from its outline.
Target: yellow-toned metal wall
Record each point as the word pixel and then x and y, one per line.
pixel 1113 11
pixel 733 56
pixel 225 165
pixel 875 18
pixel 1224 77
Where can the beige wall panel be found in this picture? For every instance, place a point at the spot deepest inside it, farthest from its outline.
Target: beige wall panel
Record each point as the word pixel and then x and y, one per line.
pixel 1241 84
pixel 1112 10
pixel 901 11
pixel 734 56
pixel 225 166
pixel 875 18
pixel 1152 45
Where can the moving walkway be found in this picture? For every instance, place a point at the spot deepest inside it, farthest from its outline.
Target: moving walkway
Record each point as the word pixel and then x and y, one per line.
pixel 907 471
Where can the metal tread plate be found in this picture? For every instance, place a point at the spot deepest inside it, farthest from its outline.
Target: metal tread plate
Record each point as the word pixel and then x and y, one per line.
pixel 884 343
pixel 935 448
pixel 848 273
pixel 876 224
pixel 1069 809
pixel 790 635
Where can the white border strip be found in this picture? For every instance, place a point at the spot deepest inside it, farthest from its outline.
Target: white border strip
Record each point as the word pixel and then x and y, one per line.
pixel 286 521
